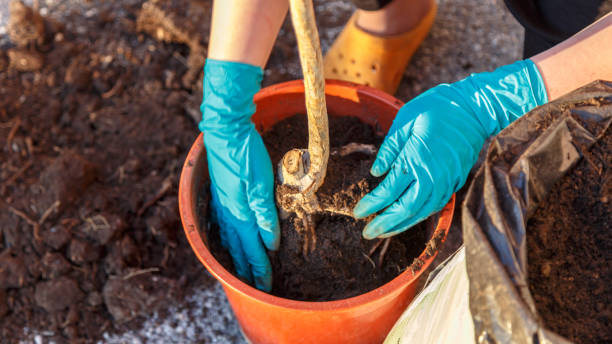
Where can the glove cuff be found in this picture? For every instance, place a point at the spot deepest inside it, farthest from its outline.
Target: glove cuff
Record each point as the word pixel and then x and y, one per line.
pixel 229 88
pixel 500 97
pixel 540 95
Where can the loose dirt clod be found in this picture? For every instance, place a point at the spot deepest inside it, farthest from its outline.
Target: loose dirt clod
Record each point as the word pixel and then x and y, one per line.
pixel 569 247
pixel 129 297
pixel 58 294
pixel 25 60
pixel 81 251
pixel 13 272
pixel 25 25
pixel 64 180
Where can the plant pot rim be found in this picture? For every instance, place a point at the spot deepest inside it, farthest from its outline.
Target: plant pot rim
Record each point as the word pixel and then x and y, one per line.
pixel 192 228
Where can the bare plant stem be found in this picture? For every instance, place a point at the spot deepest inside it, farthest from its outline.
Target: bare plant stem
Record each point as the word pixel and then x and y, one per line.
pixel 304 24
pixel 304 171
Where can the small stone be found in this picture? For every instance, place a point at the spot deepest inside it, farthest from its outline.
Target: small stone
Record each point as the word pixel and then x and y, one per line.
pixel 58 294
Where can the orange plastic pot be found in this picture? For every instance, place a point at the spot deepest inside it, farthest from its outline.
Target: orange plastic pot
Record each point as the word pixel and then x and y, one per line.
pixel 268 319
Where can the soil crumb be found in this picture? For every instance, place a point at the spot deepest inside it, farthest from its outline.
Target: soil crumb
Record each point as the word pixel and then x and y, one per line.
pixel 570 250
pixel 343 264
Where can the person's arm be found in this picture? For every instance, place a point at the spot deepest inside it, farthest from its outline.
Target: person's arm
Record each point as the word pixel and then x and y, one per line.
pixel 245 30
pixel 241 175
pixel 436 137
pixel 582 58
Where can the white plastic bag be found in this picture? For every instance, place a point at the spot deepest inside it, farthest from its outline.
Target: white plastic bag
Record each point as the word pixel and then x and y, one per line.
pixel 440 313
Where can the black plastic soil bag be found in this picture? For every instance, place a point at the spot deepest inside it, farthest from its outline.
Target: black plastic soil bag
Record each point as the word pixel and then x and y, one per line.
pixel 523 162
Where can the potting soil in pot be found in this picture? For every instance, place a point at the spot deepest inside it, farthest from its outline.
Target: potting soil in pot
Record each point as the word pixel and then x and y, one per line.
pixel 342 264
pixel 570 250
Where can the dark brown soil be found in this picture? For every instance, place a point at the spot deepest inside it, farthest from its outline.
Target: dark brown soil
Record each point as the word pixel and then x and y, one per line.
pixel 570 250
pixel 95 122
pixel 341 266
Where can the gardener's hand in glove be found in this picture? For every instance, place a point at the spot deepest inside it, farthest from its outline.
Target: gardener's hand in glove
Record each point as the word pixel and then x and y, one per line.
pixel 435 140
pixel 242 181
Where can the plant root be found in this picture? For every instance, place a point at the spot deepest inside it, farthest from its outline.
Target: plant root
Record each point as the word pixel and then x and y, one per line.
pixel 307 228
pixel 354 147
pixel 369 260
pixel 96 223
pixel 36 224
pixel 374 247
pixel 383 251
pixel 295 193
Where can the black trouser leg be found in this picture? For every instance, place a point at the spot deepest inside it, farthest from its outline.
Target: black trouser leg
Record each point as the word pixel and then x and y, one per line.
pixel 549 22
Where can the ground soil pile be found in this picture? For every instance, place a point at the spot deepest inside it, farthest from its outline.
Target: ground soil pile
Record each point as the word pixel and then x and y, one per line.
pixel 95 122
pixel 570 250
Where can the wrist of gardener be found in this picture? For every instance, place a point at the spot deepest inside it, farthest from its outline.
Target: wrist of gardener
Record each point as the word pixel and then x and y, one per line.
pixel 498 98
pixel 228 90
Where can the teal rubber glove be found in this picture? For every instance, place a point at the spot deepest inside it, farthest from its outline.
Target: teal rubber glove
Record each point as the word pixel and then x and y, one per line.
pixel 242 181
pixel 435 140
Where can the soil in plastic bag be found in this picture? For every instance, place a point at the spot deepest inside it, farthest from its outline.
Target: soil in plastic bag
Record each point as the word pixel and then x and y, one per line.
pixel 569 250
pixel 536 225
pixel 341 265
